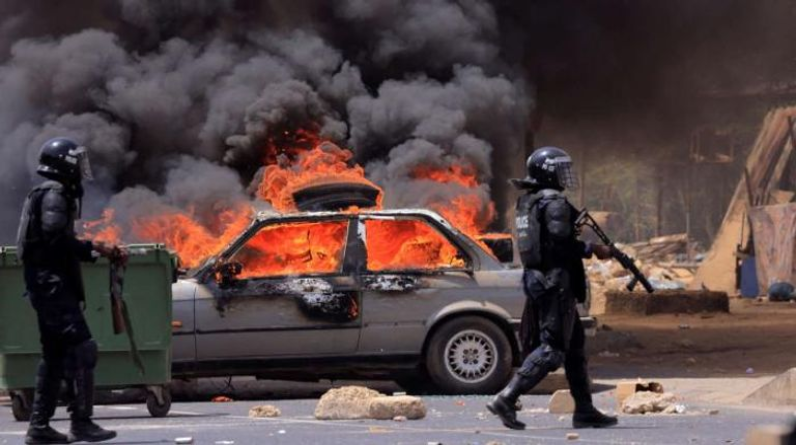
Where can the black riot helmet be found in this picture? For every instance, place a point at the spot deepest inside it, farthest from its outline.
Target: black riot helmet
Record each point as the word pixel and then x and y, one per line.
pixel 548 167
pixel 64 160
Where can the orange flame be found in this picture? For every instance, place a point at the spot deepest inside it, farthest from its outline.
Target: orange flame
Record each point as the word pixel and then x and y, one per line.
pixel 192 241
pixel 295 160
pixel 397 245
pixel 297 248
pixel 103 230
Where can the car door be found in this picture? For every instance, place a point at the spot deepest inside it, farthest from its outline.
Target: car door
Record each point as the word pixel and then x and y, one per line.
pixel 289 298
pixel 413 271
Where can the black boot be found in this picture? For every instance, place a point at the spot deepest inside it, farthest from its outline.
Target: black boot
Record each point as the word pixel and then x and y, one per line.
pixel 82 409
pixel 504 405
pixel 44 403
pixel 591 417
pixel 44 434
pixel 84 430
pixel 586 415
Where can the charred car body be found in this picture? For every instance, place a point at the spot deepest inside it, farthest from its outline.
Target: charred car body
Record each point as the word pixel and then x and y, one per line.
pixel 393 294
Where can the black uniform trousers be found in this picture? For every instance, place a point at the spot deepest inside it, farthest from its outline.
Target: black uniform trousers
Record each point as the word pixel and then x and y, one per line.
pixel 68 353
pixel 554 335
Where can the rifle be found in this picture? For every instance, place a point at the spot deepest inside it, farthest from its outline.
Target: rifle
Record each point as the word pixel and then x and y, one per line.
pixel 585 219
pixel 121 316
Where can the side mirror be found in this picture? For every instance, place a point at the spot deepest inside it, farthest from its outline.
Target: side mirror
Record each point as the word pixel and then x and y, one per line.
pixel 226 272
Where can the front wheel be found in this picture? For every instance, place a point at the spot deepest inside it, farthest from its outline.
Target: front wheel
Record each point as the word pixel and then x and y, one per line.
pixel 22 405
pixel 469 355
pixel 153 405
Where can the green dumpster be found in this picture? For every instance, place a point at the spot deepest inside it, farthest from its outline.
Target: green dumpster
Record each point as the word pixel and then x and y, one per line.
pixel 147 293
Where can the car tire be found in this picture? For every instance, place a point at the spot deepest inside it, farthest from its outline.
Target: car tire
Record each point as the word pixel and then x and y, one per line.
pixel 469 355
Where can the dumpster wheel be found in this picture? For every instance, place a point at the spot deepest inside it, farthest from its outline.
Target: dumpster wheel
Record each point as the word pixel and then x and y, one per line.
pixel 22 405
pixel 158 401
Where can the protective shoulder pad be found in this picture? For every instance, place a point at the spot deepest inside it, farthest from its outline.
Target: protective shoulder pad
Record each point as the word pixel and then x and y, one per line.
pixel 558 216
pixel 54 211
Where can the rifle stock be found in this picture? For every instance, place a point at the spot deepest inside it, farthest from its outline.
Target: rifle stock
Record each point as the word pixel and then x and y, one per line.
pixel 585 219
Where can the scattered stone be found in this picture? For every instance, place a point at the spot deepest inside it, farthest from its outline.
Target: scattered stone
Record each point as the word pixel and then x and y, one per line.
pixel 562 418
pixel 386 408
pixel 690 361
pixel 399 419
pixel 482 416
pixel 647 402
pixel 281 432
pixel 750 370
pixel 263 411
pixel 684 326
pixel 573 436
pixel 561 402
pixel 345 403
pixel 713 412
pixel 626 388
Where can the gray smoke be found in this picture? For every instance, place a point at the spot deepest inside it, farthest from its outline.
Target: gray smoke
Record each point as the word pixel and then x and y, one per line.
pixel 175 98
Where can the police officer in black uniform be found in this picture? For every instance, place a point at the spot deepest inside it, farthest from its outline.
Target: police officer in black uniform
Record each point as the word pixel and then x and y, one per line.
pixel 554 280
pixel 51 255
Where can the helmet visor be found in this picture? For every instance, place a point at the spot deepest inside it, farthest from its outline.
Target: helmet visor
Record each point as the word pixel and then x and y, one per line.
pixel 567 177
pixel 81 154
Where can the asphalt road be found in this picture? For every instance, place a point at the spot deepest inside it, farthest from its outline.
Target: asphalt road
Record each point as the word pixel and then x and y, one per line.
pixel 451 420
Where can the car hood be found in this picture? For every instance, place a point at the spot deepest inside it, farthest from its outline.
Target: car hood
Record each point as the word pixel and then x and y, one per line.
pixel 184 289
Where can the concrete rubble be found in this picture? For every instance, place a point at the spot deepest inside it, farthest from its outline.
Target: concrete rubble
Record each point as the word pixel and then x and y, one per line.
pixel 264 411
pixel 648 402
pixel 357 402
pixel 391 407
pixel 561 402
pixel 627 388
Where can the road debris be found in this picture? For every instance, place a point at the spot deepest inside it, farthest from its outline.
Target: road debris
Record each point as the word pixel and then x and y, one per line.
pixel 573 436
pixel 389 407
pixel 264 411
pixel 626 388
pixel 399 419
pixel 221 399
pixel 357 402
pixel 648 402
pixel 183 440
pixel 561 402
pixel 345 403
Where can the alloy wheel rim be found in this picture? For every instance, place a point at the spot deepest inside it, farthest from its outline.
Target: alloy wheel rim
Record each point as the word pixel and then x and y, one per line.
pixel 470 356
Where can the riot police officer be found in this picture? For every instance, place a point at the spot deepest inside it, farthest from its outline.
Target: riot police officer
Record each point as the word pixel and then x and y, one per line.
pixel 51 255
pixel 554 281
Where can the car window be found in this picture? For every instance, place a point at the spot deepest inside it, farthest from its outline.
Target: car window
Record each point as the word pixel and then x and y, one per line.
pixel 409 244
pixel 299 248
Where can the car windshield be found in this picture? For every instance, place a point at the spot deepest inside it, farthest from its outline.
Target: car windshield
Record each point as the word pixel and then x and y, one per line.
pixel 293 248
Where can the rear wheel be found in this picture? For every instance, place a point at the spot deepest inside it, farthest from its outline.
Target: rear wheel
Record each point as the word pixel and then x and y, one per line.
pixel 469 355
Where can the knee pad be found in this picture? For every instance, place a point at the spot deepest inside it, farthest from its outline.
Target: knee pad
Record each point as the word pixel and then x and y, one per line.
pixel 85 355
pixel 548 358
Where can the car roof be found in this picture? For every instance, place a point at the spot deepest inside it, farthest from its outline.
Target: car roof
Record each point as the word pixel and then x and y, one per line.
pixel 270 215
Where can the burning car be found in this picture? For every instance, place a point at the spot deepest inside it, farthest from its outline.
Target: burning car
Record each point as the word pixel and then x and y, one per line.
pixel 393 294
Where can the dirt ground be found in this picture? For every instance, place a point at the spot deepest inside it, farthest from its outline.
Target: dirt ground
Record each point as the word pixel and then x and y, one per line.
pixel 754 339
